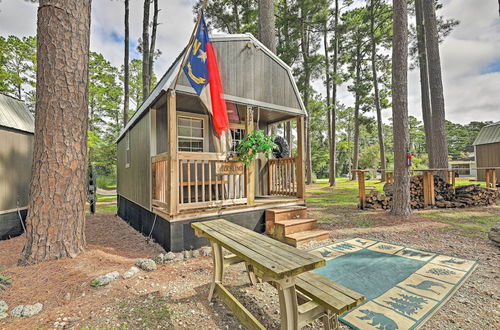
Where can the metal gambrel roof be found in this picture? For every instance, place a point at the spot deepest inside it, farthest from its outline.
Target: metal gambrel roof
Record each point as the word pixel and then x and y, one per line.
pixel 14 114
pixel 488 134
pixel 166 82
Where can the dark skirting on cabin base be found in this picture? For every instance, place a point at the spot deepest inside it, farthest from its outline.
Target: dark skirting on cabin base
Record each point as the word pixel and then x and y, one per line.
pixel 178 235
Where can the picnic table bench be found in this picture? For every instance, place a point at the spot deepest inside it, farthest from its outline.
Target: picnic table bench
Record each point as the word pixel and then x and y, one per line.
pixel 303 295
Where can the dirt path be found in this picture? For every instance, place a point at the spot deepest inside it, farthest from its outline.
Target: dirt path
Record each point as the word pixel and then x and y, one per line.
pixel 175 295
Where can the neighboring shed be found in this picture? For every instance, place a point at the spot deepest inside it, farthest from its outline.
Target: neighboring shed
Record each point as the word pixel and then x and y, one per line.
pixel 16 148
pixel 487 149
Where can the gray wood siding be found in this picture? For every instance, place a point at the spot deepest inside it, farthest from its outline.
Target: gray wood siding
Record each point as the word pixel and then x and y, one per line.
pixel 487 155
pixel 134 182
pixel 16 150
pixel 251 74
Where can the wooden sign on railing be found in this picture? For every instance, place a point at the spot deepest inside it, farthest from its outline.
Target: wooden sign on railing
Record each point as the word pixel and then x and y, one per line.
pixel 229 168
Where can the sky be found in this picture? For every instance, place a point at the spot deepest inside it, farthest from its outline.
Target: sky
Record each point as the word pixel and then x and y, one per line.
pixel 470 55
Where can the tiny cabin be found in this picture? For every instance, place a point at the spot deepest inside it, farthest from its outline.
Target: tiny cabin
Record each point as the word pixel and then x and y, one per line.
pixel 171 167
pixel 16 148
pixel 487 150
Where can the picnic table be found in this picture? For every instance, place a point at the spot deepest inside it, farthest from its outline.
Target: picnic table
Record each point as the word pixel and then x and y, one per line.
pixel 283 266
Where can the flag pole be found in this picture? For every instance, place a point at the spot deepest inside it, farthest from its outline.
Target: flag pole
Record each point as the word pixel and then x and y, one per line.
pixel 191 39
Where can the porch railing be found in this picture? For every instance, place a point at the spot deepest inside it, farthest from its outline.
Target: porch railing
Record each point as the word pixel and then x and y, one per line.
pixel 282 176
pixel 159 167
pixel 200 186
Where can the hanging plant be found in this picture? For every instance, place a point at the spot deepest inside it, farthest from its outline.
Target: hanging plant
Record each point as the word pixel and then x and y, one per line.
pixel 254 143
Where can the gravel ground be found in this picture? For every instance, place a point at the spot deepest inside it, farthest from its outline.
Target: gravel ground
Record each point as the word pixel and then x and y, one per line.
pixel 175 296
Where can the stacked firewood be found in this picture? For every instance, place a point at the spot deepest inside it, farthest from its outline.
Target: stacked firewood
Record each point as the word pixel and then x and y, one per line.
pixel 446 196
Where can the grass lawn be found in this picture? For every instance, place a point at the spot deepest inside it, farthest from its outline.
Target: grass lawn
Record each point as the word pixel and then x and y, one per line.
pixel 338 207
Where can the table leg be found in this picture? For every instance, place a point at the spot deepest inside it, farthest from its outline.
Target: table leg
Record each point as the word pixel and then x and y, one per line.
pixel 288 305
pixel 218 261
pixel 330 321
pixel 251 274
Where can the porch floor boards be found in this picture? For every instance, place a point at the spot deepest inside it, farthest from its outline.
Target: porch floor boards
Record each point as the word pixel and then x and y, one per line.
pixel 259 204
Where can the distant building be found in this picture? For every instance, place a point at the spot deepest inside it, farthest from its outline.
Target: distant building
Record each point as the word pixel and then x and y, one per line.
pixel 16 148
pixel 487 149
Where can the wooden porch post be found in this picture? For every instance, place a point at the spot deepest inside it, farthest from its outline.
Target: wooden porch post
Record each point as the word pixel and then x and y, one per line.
pixel 172 184
pixel 301 178
pixel 250 177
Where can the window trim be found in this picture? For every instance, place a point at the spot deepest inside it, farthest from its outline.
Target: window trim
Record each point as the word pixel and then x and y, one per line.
pixel 206 130
pixel 128 153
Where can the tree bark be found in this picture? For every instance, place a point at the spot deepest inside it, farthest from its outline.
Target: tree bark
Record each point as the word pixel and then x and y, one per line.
pixel 153 43
pixel 328 84
pixel 145 50
pixel 333 112
pixel 401 195
pixel 307 80
pixel 439 140
pixel 267 24
pixel 424 81
pixel 56 209
pixel 126 66
pixel 376 91
pixel 355 157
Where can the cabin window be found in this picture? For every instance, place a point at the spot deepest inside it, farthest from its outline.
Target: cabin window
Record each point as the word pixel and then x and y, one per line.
pixel 237 134
pixel 191 134
pixel 127 149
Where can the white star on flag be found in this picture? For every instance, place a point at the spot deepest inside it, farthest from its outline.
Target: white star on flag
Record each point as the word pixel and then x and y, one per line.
pixel 202 55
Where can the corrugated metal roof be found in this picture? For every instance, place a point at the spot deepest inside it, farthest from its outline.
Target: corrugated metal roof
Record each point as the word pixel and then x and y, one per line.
pixel 488 134
pixel 14 114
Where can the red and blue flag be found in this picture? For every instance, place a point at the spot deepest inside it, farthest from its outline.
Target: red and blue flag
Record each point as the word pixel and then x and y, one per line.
pixel 202 71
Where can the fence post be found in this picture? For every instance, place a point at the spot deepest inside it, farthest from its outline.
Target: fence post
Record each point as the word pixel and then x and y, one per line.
pixel 429 195
pixel 360 175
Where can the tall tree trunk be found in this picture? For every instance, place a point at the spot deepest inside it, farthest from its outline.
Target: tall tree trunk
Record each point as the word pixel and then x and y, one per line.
pixel 355 157
pixel 328 85
pixel 236 16
pixel 424 81
pixel 145 50
pixel 153 42
pixel 333 112
pixel 126 96
pixel 401 196
pixel 376 91
pixel 288 136
pixel 266 24
pixel 439 140
pixel 307 80
pixel 56 209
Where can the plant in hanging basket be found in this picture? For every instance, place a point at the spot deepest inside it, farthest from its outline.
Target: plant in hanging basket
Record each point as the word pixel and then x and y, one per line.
pixel 254 143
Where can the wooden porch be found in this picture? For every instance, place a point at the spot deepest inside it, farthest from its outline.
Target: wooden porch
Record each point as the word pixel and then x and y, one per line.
pixel 185 184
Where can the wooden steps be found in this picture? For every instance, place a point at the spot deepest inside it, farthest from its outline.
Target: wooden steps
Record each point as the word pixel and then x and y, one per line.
pixel 292 226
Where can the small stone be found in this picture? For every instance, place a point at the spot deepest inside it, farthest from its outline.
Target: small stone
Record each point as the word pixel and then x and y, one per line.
pixel 67 296
pixel 3 306
pixel 179 257
pixel 196 253
pixel 188 254
pixel 31 310
pixel 160 259
pixel 147 265
pixel 105 279
pixel 169 256
pixel 131 272
pixel 206 251
pixel 3 315
pixel 17 311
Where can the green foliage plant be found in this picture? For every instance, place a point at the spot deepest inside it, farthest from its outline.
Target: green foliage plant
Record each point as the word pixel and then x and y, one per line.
pixel 254 143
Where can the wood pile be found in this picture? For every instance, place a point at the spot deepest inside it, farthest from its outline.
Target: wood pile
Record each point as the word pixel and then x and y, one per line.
pixel 446 196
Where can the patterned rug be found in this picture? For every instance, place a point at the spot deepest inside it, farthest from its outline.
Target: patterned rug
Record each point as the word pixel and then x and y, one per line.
pixel 403 287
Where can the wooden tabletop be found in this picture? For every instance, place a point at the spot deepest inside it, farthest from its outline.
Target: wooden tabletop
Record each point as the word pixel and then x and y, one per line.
pixel 273 258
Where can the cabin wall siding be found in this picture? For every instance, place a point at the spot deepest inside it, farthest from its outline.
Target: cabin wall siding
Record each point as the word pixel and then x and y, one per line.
pixel 487 155
pixel 15 168
pixel 134 182
pixel 251 74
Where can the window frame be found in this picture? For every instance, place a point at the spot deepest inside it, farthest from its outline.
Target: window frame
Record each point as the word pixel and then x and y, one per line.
pixel 128 153
pixel 205 129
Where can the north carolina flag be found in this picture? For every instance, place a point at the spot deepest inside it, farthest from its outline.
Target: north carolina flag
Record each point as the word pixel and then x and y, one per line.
pixel 202 71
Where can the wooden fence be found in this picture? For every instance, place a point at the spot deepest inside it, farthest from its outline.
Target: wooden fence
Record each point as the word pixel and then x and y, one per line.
pixel 282 176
